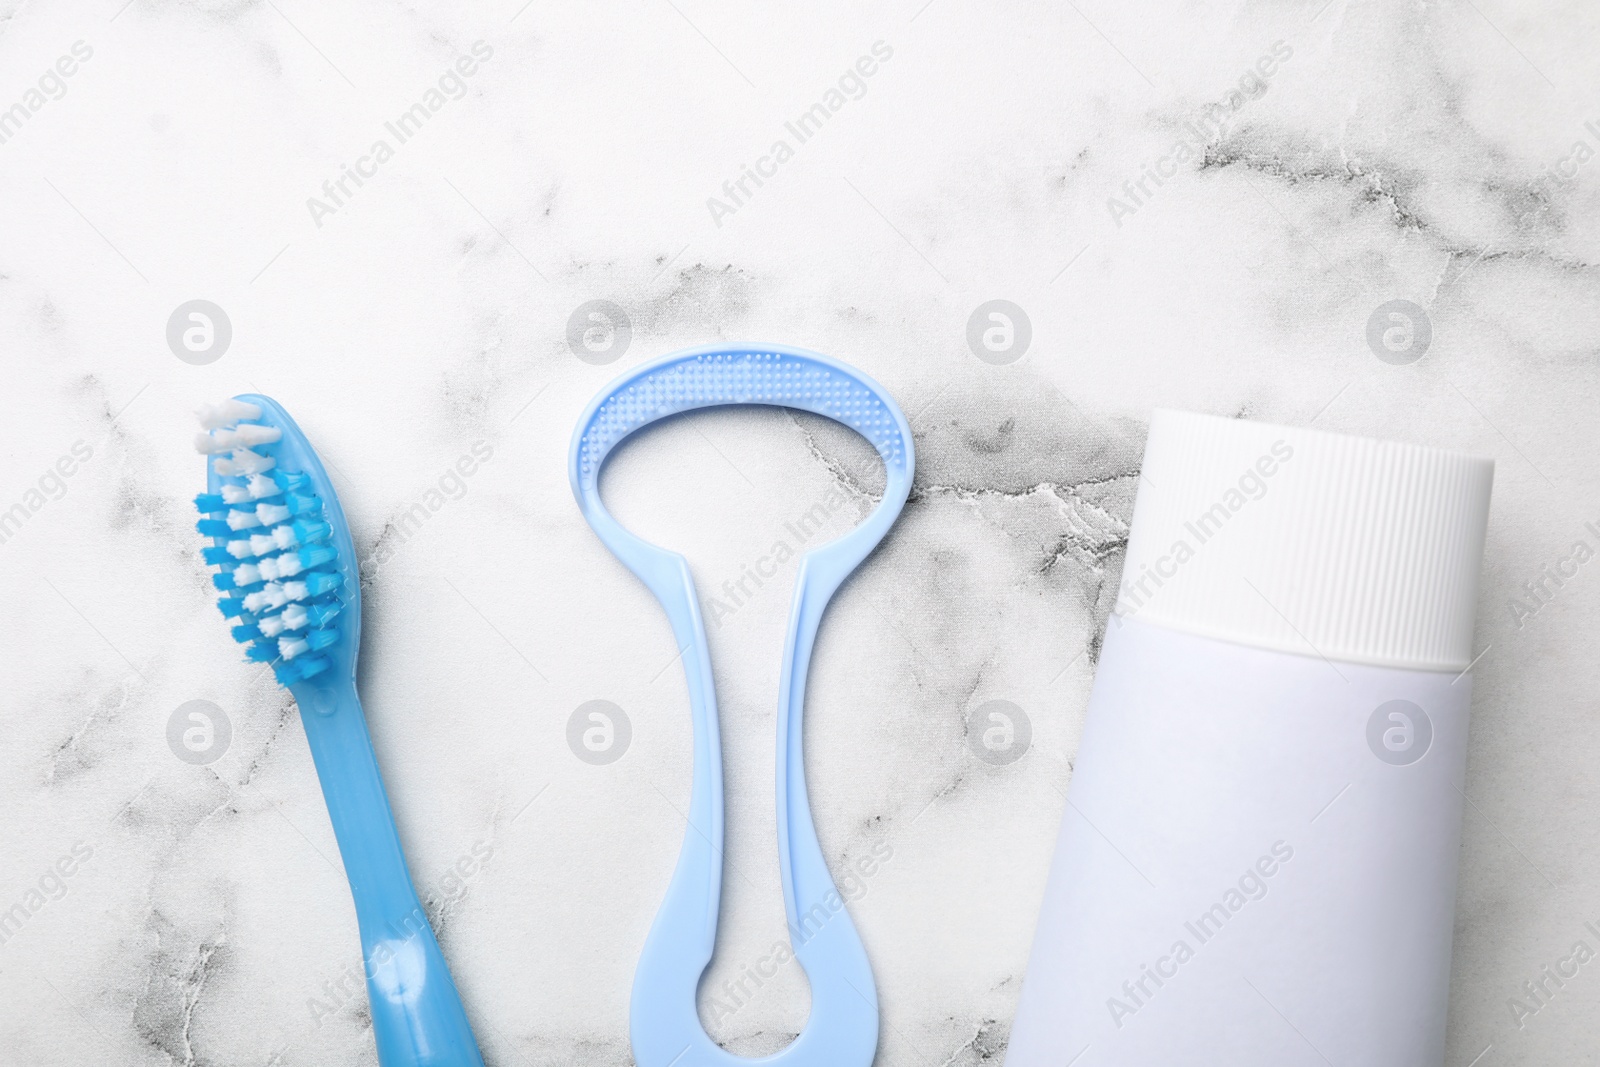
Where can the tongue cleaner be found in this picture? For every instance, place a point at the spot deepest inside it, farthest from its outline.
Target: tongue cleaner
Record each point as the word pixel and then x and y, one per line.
pixel 842 1030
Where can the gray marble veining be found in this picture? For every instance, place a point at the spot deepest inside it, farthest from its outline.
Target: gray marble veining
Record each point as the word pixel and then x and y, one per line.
pixel 1210 206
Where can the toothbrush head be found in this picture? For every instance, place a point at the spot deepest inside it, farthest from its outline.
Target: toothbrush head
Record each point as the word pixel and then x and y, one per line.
pixel 287 571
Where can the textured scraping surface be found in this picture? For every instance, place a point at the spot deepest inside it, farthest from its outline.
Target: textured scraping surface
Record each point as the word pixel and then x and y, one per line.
pixel 740 378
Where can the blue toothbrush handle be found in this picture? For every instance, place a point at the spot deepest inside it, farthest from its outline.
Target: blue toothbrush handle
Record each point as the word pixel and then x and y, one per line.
pixel 417 1017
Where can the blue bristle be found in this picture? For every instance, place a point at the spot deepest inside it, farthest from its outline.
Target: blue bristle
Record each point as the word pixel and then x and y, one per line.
pixel 224 581
pixel 214 527
pixel 246 633
pixel 210 503
pixel 323 637
pixel 321 614
pixel 300 668
pixel 310 531
pixel 233 579
pixel 287 481
pixel 303 505
pixel 219 556
pixel 320 582
pixel 317 555
pixel 264 652
pixel 232 607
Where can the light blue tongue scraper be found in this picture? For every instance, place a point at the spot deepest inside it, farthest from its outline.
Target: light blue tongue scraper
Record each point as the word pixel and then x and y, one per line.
pixel 665 1026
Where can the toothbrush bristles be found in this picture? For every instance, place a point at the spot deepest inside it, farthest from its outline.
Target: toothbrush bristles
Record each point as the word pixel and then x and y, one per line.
pixel 278 575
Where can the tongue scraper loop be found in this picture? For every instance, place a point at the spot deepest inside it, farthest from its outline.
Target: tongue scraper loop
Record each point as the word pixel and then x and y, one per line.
pixel 842 1030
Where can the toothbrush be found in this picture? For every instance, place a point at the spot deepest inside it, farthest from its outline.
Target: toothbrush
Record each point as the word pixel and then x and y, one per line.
pixel 289 583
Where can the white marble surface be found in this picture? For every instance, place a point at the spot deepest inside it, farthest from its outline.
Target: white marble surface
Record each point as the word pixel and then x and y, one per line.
pixel 1401 151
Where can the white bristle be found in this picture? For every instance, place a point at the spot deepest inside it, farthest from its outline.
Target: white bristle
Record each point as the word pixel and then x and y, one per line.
pixel 248 462
pixel 294 617
pixel 272 514
pixel 216 416
pixel 252 434
pixel 242 520
pixel 269 568
pixel 288 565
pixel 272 596
pixel 235 494
pixel 290 647
pixel 209 445
pixel 260 488
pixel 296 590
pixel 271 626
pixel 224 466
pixel 241 549
pixel 284 537
pixel 246 574
pixel 261 544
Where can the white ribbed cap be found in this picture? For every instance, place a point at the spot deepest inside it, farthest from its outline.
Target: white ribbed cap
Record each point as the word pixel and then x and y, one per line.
pixel 1306 541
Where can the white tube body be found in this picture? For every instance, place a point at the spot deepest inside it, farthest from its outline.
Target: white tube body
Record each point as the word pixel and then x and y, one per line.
pixel 1240 877
pixel 1257 862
